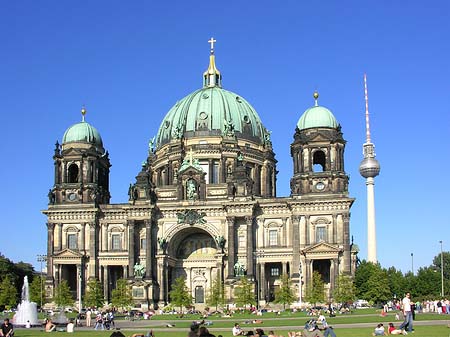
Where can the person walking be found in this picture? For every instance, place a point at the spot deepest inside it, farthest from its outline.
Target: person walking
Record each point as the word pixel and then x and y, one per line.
pixel 88 317
pixel 408 322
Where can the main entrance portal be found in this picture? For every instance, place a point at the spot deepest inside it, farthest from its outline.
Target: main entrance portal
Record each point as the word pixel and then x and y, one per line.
pixel 195 258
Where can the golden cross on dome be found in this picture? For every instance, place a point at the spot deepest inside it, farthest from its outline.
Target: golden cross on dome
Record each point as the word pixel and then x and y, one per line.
pixel 212 41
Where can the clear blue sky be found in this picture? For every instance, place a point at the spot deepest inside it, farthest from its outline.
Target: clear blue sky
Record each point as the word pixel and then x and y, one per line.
pixel 130 61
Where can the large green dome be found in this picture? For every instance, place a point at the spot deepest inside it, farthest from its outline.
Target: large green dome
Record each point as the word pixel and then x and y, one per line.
pixel 317 117
pixel 208 112
pixel 83 132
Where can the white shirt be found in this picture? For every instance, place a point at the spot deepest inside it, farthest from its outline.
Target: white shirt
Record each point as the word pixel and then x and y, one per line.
pixel 236 331
pixel 70 327
pixel 406 304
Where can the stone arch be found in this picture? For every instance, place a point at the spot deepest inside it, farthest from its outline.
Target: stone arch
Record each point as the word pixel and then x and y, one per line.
pixel 190 242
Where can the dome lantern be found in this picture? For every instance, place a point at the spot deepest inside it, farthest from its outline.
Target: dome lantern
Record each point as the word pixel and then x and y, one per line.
pixel 212 76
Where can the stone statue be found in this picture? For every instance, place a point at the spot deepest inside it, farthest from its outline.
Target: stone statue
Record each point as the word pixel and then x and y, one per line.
pixel 176 133
pixel 228 128
pixel 132 193
pixel 239 269
pixel 51 197
pixel 151 145
pixel 139 270
pixel 191 190
pixel 162 243
pixel 220 240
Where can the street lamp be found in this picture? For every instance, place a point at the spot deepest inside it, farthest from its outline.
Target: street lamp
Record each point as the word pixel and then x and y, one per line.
pixel 442 271
pixel 300 281
pixel 42 258
pixel 412 263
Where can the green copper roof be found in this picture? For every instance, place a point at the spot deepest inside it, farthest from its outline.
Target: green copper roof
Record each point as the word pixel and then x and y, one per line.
pixel 211 111
pixel 317 116
pixel 82 132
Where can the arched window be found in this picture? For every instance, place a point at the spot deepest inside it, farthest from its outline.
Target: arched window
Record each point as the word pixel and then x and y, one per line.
pixel 319 161
pixel 73 173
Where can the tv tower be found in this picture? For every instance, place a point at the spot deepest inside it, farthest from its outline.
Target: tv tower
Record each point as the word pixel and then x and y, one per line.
pixel 369 169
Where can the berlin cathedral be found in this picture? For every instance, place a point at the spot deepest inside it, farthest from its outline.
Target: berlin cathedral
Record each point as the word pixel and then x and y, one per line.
pixel 204 205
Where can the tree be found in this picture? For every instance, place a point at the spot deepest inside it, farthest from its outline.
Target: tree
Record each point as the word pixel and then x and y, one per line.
pixel 397 282
pixel 37 290
pixel 8 292
pixel 284 294
pixel 315 291
pixel 63 296
pixel 427 281
pixel 94 294
pixel 180 295
pixel 244 293
pixel 378 286
pixel 345 291
pixel 446 262
pixel 362 275
pixel 121 297
pixel 216 296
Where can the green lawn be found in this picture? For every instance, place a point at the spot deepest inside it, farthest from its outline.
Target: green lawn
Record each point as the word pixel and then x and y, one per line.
pixel 280 324
pixel 420 331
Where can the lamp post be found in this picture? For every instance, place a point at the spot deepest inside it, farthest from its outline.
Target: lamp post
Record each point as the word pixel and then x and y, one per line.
pixel 412 263
pixel 442 271
pixel 300 281
pixel 42 258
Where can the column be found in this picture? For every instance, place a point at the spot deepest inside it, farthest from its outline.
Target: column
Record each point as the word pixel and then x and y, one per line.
pixel 83 237
pixel 307 242
pixel 210 170
pixel 263 280
pixel 284 268
pixel 223 171
pixel 258 283
pixel 347 253
pixel 105 237
pixel 333 238
pixel 93 250
pixel 78 283
pixel 249 221
pixel 50 241
pixel 56 268
pixel 308 276
pixel 231 248
pixel 131 246
pixel 257 187
pixel 60 237
pixel 263 180
pixel 148 250
pixel 105 281
pixel 295 220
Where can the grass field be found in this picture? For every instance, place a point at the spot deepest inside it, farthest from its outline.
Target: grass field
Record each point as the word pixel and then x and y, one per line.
pixel 420 331
pixel 281 324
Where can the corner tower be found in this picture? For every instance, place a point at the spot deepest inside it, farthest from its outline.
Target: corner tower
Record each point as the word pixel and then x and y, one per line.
pixel 81 167
pixel 318 154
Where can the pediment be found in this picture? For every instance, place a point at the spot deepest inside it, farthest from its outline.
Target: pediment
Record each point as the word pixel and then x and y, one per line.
pixel 72 152
pixel 68 254
pixel 320 137
pixel 321 248
pixel 191 170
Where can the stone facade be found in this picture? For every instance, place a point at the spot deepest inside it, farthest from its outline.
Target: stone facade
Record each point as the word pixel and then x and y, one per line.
pixel 203 207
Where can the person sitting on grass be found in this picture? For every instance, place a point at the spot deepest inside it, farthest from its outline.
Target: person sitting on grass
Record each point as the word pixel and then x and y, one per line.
pixel 237 331
pixel 49 326
pixel 393 331
pixel 7 329
pixel 379 330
